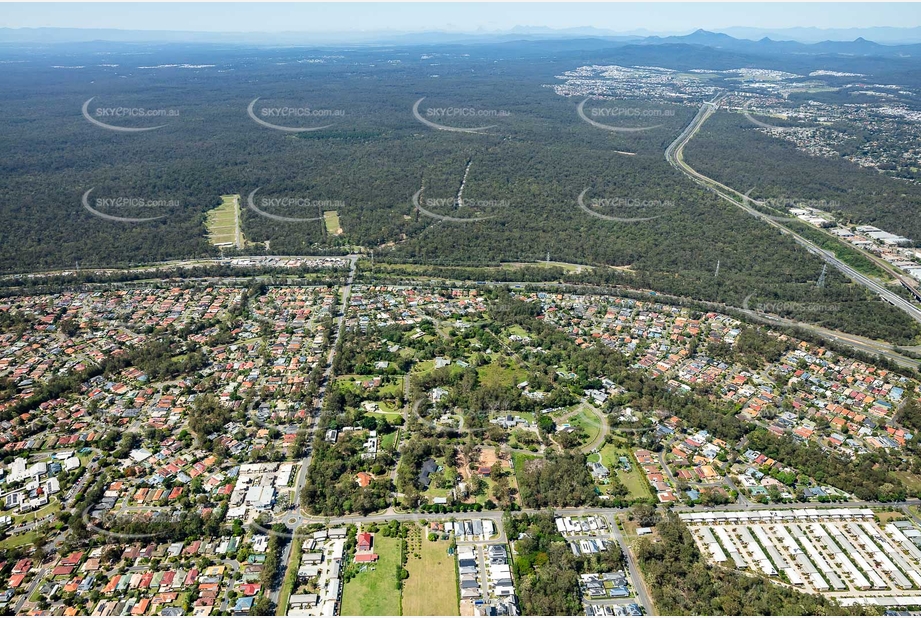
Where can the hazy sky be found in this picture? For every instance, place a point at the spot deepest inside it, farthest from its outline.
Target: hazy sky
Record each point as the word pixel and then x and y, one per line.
pixel 466 17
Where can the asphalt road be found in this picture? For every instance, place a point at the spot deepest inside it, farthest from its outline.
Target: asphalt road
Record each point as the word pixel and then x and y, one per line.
pixel 636 577
pixel 292 517
pixel 39 577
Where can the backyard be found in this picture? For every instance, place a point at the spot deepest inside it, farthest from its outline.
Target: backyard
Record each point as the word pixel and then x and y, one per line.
pixel 373 590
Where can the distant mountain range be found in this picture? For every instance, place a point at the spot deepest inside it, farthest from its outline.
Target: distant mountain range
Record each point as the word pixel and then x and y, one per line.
pixel 855 41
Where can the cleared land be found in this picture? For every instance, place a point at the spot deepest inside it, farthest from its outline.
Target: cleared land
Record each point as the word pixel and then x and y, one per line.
pixel 333 226
pixel 431 589
pixel 374 592
pixel 495 374
pixel 222 222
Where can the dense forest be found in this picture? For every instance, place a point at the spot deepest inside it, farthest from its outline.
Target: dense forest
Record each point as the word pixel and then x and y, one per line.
pixel 560 479
pixel 728 148
pixel 525 173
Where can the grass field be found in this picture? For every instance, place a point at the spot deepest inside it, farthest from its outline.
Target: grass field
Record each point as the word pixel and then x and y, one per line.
pixel 633 480
pixel 431 589
pixel 393 417
pixel 912 481
pixel 589 421
pixel 222 221
pixel 392 389
pixel 570 268
pixel 28 538
pixel 333 226
pixel 388 440
pixel 495 375
pixel 374 592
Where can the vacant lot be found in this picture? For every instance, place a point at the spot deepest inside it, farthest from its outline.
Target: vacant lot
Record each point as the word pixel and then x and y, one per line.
pixel 388 440
pixel 496 375
pixel 222 221
pixel 374 592
pixel 912 481
pixel 431 589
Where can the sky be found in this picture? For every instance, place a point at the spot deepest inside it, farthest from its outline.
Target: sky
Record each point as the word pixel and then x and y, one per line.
pixel 658 17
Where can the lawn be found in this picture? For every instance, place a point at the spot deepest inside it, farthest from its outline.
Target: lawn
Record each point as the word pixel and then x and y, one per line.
pixel 393 417
pixel 431 589
pixel 222 221
pixel 374 592
pixel 20 540
pixel 392 389
pixel 517 330
pixel 633 480
pixel 388 440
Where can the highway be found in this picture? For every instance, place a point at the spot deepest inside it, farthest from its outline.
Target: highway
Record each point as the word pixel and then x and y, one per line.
pixel 673 154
